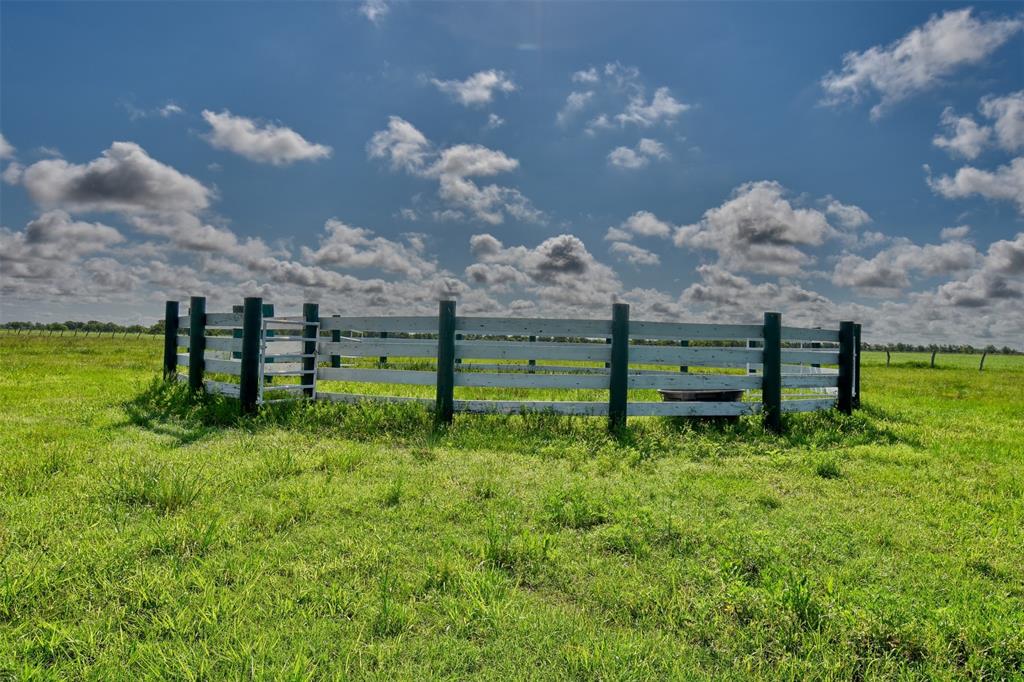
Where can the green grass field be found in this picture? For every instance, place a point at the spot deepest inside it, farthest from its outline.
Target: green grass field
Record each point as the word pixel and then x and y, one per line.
pixel 144 536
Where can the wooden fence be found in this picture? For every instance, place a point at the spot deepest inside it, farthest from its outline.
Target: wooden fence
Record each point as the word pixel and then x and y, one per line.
pixel 614 356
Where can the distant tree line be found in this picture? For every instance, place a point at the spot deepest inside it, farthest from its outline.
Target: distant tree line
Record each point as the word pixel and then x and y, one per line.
pixel 939 348
pixel 90 326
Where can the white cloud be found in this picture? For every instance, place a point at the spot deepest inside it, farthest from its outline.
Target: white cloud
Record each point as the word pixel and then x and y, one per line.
pixel 261 142
pixel 356 247
pixel 574 103
pixel 374 10
pixel 12 174
pixel 1008 112
pixel 890 269
pixel 919 60
pixel 478 89
pixel 586 76
pixel 170 109
pixel 638 157
pixel 847 215
pixel 494 122
pixel 663 107
pixel 407 149
pixel 7 150
pixel 757 230
pixel 964 137
pixel 124 179
pixel 643 223
pixel 1005 183
pixel 634 254
pixel 954 233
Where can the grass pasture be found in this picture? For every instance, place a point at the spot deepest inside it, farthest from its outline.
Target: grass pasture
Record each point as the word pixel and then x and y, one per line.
pixel 144 535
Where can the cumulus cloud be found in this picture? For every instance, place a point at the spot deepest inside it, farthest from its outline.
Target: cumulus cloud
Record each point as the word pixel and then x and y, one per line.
pixel 963 137
pixel 560 270
pixel 757 230
pixel 374 10
pixel 575 102
pixel 634 254
pixel 663 107
pixel 642 223
pixel 889 271
pixel 619 86
pixel 1008 113
pixel 1006 183
pixel 639 156
pixel 847 215
pixel 478 89
pixel 407 149
pixel 7 150
pixel 954 233
pixel 919 60
pixel 1006 256
pixel 261 142
pixel 357 247
pixel 589 75
pixel 124 179
pixel 494 122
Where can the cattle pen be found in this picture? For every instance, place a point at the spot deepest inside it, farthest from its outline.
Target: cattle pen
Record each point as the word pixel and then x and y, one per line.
pixel 699 369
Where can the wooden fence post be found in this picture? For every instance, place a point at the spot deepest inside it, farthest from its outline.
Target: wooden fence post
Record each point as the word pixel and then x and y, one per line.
pixel 685 343
pixel 856 366
pixel 771 371
pixel 445 407
pixel 887 357
pixel 618 371
pixel 170 339
pixel 311 313
pixel 336 338
pixel 981 365
pixel 846 367
pixel 933 358
pixel 196 341
pixel 252 328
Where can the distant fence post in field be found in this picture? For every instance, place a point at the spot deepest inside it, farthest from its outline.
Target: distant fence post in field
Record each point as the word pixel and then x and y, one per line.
pixel 846 367
pixel 618 372
pixel 311 314
pixel 196 341
pixel 856 366
pixel 981 365
pixel 771 363
pixel 933 359
pixel 888 357
pixel 445 405
pixel 252 329
pixel 170 339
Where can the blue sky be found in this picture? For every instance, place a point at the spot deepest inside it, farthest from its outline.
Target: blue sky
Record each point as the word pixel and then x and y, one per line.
pixel 699 161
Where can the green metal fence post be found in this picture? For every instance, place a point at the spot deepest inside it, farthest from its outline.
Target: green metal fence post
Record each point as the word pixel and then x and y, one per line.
pixel 618 371
pixel 771 373
pixel 252 329
pixel 445 362
pixel 311 313
pixel 170 340
pixel 846 367
pixel 196 341
pixel 856 366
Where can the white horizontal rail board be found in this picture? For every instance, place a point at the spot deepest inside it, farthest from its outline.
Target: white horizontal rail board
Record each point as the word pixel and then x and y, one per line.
pixel 495 380
pixel 588 409
pixel 688 331
pixel 805 334
pixel 380 324
pixel 223 319
pixel 377 376
pixel 183 360
pixel 519 350
pixel 519 367
pixel 811 405
pixel 223 343
pixel 820 357
pixel 695 382
pixel 810 380
pixel 232 367
pixel 694 356
pixel 692 409
pixel 358 397
pixel 182 340
pixel 399 348
pixel 222 388
pixel 510 326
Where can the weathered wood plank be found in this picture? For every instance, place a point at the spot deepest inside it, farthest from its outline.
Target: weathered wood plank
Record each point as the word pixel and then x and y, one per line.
pixel 395 348
pixel 225 343
pixel 810 380
pixel 499 380
pixel 380 324
pixel 223 320
pixel 232 367
pixel 807 334
pixel 183 359
pixel 813 357
pixel 590 409
pixel 694 382
pixel 523 350
pixel 693 331
pixel 692 409
pixel 222 388
pixel 693 356
pixel 808 405
pixel 377 376
pixel 357 397
pixel 510 326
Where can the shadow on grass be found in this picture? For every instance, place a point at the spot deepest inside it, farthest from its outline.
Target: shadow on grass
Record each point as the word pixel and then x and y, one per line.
pixel 169 408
